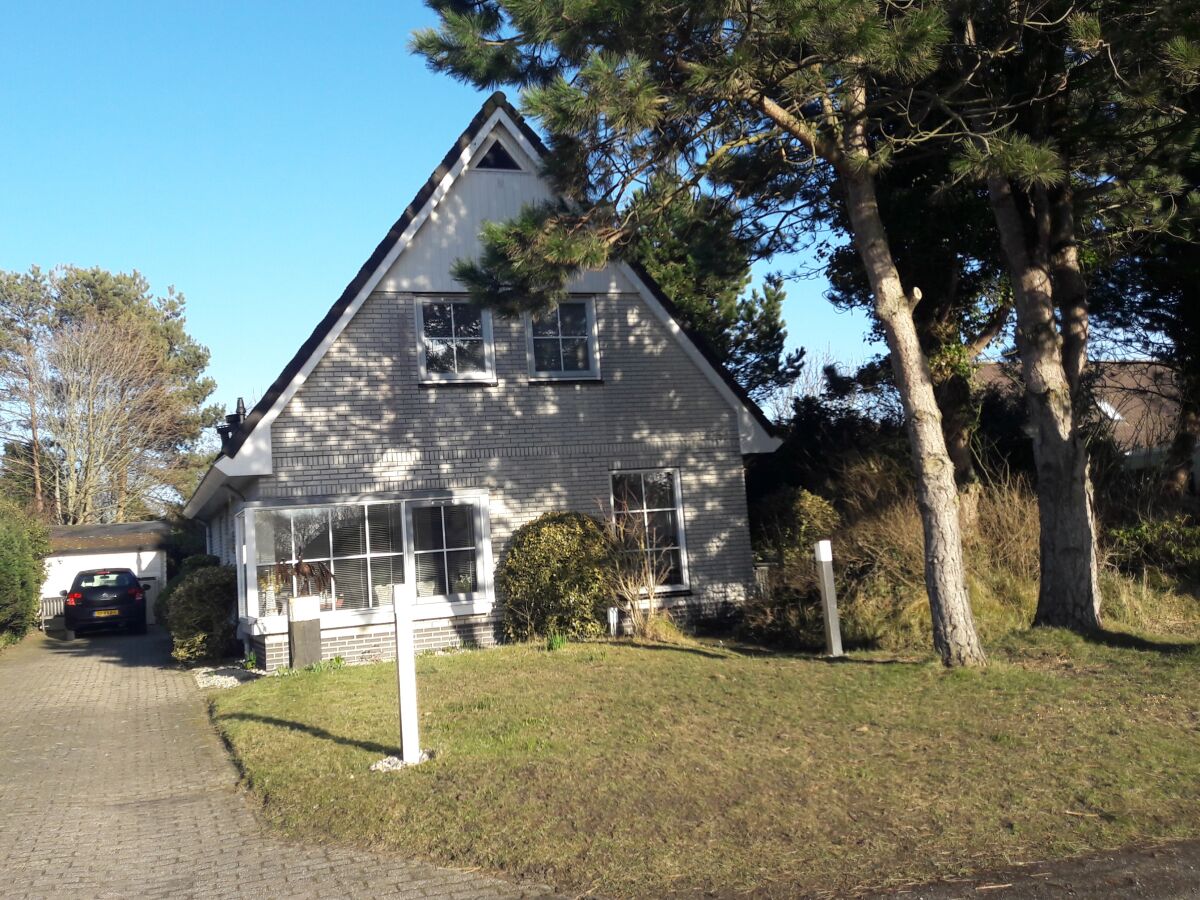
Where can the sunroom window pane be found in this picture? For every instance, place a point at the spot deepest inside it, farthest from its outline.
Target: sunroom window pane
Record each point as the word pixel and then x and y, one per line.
pixel 385 572
pixel 272 536
pixel 274 588
pixel 430 574
pixel 311 533
pixel 349 531
pixel 350 584
pixel 384 523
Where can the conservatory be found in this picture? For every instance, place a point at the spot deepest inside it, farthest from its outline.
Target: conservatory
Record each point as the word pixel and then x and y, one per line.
pixel 349 557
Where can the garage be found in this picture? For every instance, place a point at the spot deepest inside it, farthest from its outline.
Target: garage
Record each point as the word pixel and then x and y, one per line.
pixel 138 546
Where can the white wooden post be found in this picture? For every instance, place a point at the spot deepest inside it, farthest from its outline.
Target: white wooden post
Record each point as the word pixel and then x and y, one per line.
pixel 403 596
pixel 833 630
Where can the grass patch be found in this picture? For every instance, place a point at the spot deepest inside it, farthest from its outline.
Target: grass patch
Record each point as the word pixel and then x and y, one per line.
pixel 647 770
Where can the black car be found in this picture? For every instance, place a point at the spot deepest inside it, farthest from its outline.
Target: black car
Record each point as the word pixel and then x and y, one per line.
pixel 105 597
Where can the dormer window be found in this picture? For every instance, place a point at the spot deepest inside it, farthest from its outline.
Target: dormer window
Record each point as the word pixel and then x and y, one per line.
pixel 497 157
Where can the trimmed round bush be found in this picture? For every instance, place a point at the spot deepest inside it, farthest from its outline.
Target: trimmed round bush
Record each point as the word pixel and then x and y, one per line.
pixel 555 578
pixel 189 565
pixel 200 614
pixel 23 549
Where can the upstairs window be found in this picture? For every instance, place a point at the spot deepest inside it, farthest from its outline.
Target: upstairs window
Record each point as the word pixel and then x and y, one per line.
pixel 648 518
pixel 455 341
pixel 562 342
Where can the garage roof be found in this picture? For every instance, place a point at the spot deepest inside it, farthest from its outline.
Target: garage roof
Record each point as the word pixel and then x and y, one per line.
pixel 68 539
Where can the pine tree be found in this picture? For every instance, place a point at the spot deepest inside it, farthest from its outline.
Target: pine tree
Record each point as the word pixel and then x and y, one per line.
pixel 772 108
pixel 1075 118
pixel 696 253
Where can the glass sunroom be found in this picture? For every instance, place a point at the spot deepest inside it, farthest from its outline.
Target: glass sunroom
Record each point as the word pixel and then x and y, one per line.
pixel 351 556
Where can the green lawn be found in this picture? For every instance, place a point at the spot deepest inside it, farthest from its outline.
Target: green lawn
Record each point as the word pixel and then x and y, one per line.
pixel 639 771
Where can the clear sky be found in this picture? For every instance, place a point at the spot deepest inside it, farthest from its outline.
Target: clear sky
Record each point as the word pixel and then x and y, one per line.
pixel 250 154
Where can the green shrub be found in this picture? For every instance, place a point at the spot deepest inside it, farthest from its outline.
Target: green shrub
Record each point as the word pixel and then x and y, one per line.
pixel 23 548
pixel 200 614
pixel 1170 545
pixel 555 578
pixel 788 522
pixel 189 565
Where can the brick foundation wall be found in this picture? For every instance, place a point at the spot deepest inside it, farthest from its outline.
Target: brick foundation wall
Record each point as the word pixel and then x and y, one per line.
pixel 376 643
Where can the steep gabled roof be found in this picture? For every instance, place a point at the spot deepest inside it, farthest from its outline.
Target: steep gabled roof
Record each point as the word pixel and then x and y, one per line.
pixel 385 252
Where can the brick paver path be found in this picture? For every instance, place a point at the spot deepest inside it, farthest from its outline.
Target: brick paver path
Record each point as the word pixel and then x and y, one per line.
pixel 114 784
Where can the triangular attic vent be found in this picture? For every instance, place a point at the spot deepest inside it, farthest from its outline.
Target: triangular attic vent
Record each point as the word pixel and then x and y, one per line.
pixel 498 158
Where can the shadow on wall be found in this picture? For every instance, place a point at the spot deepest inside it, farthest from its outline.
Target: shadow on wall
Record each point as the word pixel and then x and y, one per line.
pixel 362 424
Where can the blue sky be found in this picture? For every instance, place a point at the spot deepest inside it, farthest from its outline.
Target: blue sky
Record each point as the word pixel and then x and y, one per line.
pixel 250 154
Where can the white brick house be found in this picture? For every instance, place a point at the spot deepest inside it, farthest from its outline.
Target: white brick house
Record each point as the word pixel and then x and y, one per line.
pixel 413 433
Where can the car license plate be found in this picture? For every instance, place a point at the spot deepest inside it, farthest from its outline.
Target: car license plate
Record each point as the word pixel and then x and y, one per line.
pixel 100 613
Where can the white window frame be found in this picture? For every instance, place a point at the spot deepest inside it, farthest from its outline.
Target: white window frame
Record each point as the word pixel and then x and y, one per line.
pixel 593 339
pixel 487 376
pixel 483 550
pixel 481 600
pixel 685 575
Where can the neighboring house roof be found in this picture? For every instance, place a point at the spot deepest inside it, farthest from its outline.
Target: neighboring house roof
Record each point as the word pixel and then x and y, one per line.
pixel 757 429
pixel 1139 399
pixel 66 540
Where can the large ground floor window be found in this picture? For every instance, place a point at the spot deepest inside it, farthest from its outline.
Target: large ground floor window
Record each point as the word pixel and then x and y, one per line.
pixel 648 517
pixel 351 555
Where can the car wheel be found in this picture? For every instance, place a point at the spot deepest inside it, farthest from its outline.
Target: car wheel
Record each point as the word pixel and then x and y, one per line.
pixel 138 628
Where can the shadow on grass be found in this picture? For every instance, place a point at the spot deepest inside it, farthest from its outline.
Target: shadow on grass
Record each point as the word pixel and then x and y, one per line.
pixel 1124 641
pixel 678 648
pixel 369 746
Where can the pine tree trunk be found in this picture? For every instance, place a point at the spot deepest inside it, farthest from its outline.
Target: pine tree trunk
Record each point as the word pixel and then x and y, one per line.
pixel 1178 469
pixel 35 459
pixel 954 635
pixel 1069 594
pixel 953 394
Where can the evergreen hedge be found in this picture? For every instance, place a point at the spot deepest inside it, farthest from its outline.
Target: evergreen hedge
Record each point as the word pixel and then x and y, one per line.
pixel 200 614
pixel 23 549
pixel 189 565
pixel 556 578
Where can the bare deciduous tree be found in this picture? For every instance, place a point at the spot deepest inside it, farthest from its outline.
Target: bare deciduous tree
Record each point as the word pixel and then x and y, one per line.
pixel 114 411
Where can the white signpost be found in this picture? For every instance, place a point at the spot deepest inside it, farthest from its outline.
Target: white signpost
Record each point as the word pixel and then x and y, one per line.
pixel 833 629
pixel 406 674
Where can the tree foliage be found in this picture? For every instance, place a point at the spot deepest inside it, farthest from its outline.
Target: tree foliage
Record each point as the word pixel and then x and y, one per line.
pixel 102 394
pixel 769 109
pixel 556 578
pixel 23 549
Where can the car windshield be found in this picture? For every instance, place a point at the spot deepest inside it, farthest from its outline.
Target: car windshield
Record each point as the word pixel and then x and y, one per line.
pixel 105 579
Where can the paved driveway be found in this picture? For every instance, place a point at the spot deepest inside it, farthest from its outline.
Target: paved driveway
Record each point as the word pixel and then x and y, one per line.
pixel 113 784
